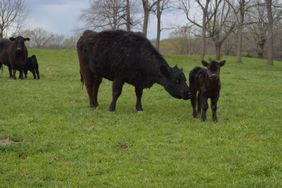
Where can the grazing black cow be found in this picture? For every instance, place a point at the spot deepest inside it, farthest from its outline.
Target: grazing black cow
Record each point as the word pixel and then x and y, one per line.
pixel 125 57
pixel 204 84
pixel 32 66
pixel 13 53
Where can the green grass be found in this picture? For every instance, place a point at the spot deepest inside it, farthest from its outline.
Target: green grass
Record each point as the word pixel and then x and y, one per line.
pixel 60 142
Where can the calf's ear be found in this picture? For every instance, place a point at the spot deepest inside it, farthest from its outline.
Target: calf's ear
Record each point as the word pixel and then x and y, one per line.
pixel 221 63
pixel 205 63
pixel 164 70
pixel 26 39
pixel 12 39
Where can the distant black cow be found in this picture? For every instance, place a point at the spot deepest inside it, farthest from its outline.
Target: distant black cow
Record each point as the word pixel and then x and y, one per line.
pixel 13 53
pixel 32 66
pixel 128 57
pixel 204 84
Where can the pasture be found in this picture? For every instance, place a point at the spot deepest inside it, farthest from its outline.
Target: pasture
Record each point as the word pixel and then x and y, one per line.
pixel 49 137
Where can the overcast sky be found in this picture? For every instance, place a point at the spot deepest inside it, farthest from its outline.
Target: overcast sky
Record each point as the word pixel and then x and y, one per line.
pixel 61 16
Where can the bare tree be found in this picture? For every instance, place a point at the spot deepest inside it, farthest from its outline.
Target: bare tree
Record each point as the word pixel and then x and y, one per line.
pixel 259 25
pixel 241 7
pixel 269 4
pixel 108 14
pixel 221 25
pixel 128 19
pixel 40 37
pixel 160 7
pixel 148 6
pixel 207 15
pixel 12 13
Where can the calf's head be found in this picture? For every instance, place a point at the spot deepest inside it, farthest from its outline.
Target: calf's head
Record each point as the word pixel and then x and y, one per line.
pixel 175 82
pixel 213 68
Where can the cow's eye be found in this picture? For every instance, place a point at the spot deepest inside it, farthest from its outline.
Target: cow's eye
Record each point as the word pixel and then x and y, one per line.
pixel 177 81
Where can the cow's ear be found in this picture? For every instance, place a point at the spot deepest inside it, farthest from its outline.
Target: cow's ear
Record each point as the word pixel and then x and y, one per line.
pixel 26 39
pixel 164 70
pixel 205 63
pixel 12 39
pixel 221 63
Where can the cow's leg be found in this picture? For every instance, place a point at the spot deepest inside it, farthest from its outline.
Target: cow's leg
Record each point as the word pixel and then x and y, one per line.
pixel 14 73
pixel 194 103
pixel 117 88
pixel 21 74
pixel 96 83
pixel 10 71
pixel 88 79
pixel 214 108
pixel 25 73
pixel 138 92
pixel 204 107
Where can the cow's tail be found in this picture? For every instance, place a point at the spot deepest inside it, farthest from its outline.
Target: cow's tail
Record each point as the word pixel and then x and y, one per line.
pixel 81 80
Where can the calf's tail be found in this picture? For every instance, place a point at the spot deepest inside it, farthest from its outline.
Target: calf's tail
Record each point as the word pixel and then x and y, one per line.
pixel 192 75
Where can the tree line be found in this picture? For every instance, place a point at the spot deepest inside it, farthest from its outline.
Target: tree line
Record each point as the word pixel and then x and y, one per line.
pixel 229 27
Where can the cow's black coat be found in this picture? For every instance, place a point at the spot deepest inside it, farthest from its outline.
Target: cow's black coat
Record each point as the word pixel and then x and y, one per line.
pixel 13 54
pixel 128 57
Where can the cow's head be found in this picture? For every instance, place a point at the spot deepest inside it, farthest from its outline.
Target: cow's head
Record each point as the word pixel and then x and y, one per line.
pixel 19 43
pixel 213 68
pixel 175 82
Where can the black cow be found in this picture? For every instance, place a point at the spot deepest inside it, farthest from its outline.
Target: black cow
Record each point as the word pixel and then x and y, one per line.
pixel 32 66
pixel 125 57
pixel 204 84
pixel 13 53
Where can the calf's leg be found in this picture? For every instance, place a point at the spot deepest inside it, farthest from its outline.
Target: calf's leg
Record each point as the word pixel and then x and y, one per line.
pixel 117 88
pixel 204 107
pixel 33 73
pixel 37 73
pixel 138 92
pixel 193 103
pixel 214 108
pixel 199 103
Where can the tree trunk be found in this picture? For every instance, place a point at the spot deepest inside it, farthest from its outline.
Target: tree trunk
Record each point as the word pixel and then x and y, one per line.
pixel 146 17
pixel 128 20
pixel 204 38
pixel 158 25
pixel 242 10
pixel 217 51
pixel 239 44
pixel 269 32
pixel 204 30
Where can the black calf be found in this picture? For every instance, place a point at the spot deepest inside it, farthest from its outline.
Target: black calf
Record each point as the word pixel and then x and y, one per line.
pixel 32 66
pixel 204 84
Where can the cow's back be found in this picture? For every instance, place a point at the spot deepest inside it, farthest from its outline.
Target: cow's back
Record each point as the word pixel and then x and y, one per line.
pixel 123 54
pixel 4 47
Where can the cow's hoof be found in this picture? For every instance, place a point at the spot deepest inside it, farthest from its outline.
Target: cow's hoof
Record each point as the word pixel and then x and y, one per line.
pixel 139 111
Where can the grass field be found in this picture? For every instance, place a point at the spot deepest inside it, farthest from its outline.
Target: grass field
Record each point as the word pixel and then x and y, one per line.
pixel 50 138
